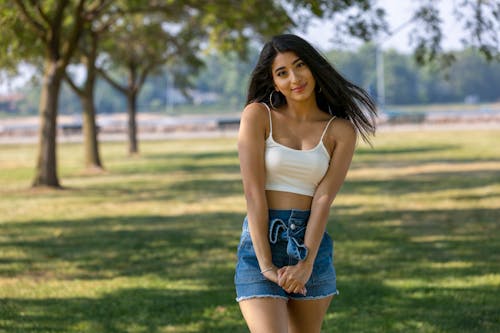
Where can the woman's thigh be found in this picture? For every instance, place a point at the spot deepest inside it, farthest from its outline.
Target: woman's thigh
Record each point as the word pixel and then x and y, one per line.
pixel 265 314
pixel 307 315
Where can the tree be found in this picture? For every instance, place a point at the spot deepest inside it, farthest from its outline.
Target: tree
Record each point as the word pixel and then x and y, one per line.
pixel 89 51
pixel 140 45
pixel 401 79
pixel 472 75
pixel 51 30
pixel 226 75
pixel 54 29
pixel 48 32
pixel 88 46
pixel 479 18
pixel 357 66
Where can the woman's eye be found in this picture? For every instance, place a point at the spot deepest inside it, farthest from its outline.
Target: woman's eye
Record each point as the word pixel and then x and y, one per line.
pixel 281 73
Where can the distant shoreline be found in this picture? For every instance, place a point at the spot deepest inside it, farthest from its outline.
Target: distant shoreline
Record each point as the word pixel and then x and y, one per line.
pixel 232 133
pixel 161 126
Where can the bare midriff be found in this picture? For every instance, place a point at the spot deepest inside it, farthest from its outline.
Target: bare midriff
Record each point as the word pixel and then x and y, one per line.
pixel 287 200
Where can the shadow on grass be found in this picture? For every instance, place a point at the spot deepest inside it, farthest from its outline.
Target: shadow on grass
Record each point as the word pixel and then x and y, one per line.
pixel 126 310
pixel 416 271
pixel 220 164
pixel 407 270
pixel 210 155
pixel 189 245
pixel 190 190
pixel 193 256
pixel 371 258
pixel 207 188
pixel 395 157
pixel 427 182
pixel 425 148
pixel 369 305
pixel 199 163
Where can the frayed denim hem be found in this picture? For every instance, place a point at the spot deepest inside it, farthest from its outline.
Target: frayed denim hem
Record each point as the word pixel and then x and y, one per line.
pixel 309 298
pixel 243 298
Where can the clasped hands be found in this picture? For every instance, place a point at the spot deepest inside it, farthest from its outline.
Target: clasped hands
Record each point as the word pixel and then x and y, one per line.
pixel 291 278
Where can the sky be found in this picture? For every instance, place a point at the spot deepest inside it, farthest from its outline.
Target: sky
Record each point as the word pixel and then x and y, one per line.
pixel 398 12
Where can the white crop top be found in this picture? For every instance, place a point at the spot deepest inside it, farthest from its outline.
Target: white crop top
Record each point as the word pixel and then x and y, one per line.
pixel 294 170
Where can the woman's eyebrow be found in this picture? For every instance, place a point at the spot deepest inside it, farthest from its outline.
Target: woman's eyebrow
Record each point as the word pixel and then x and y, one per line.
pixel 283 67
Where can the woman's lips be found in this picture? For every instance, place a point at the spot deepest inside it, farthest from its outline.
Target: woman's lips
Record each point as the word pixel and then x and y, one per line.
pixel 300 88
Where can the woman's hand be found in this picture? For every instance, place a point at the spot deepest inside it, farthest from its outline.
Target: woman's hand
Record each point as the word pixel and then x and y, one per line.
pixel 294 278
pixel 271 275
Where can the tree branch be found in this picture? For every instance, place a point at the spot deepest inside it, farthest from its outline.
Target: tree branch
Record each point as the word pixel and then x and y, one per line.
pixel 112 82
pixel 72 42
pixel 144 75
pixel 42 14
pixel 36 26
pixel 56 27
pixel 96 8
pixel 58 15
pixel 106 25
pixel 72 84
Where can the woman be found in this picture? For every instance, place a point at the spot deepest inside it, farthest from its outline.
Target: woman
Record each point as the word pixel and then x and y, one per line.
pixel 296 141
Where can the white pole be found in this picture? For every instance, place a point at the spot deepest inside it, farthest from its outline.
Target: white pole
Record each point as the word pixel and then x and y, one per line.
pixel 380 76
pixel 379 59
pixel 168 96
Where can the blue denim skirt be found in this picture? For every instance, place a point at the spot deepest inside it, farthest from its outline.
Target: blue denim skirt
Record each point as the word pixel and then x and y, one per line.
pixel 286 237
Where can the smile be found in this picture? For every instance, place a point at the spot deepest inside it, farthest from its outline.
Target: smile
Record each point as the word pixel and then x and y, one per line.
pixel 300 88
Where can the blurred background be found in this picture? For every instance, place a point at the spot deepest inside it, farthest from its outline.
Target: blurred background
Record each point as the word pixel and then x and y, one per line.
pixel 184 66
pixel 120 194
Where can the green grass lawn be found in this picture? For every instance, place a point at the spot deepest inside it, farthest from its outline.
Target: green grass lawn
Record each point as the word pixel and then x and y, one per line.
pixel 150 245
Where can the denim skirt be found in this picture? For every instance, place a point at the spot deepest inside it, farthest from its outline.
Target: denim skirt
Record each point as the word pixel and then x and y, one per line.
pixel 286 237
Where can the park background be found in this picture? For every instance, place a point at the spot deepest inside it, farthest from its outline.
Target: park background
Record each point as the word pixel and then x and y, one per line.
pixel 145 241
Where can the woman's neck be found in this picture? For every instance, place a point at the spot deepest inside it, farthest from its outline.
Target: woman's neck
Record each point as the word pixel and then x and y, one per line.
pixel 302 110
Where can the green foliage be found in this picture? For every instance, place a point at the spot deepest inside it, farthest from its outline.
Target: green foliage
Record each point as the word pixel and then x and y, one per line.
pixel 362 19
pixel 408 83
pixel 150 245
pixel 183 34
pixel 18 44
pixel 479 19
pixel 227 76
pixel 402 79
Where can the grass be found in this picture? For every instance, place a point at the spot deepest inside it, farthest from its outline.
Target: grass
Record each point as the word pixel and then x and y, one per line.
pixel 447 107
pixel 150 245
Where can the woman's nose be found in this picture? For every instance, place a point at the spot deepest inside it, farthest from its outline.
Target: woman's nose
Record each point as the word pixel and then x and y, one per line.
pixel 295 77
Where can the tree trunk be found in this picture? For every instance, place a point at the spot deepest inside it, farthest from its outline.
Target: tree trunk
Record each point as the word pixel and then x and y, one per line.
pixel 91 145
pixel 132 125
pixel 46 167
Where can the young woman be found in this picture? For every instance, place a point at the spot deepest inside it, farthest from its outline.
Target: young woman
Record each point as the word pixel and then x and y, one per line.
pixel 296 141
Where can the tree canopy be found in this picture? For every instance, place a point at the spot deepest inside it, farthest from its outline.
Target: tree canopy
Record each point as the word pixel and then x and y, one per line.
pixel 48 34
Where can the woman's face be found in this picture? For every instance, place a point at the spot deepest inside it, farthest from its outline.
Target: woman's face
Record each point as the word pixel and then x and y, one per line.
pixel 292 77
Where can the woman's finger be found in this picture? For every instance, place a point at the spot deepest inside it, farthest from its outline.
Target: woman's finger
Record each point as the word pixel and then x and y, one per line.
pixel 283 280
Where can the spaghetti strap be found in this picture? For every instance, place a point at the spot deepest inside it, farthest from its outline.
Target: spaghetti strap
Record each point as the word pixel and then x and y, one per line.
pixel 270 120
pixel 326 127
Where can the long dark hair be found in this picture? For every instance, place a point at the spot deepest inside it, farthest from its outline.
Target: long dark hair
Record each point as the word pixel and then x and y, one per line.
pixel 334 94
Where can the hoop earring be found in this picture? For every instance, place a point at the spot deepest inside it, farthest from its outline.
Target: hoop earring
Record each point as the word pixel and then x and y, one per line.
pixel 271 99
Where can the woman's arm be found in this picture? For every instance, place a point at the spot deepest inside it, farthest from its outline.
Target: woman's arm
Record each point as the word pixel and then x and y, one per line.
pixel 343 138
pixel 251 149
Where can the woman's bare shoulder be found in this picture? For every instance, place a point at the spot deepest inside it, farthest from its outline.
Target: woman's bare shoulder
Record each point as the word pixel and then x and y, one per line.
pixel 256 113
pixel 342 130
pixel 255 109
